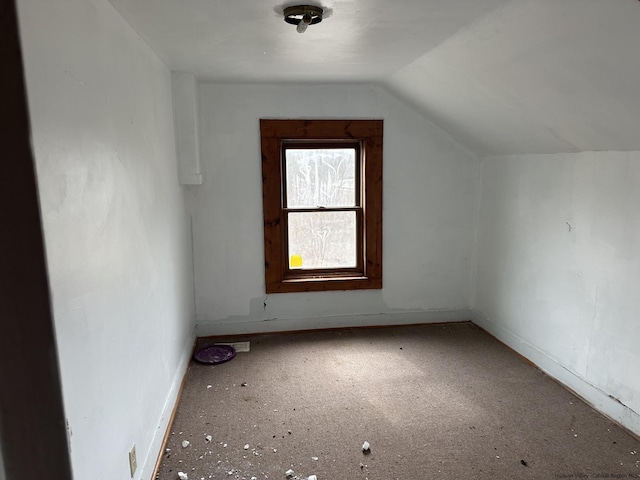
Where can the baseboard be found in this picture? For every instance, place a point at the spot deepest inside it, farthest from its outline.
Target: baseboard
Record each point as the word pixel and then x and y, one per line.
pixel 240 327
pixel 148 467
pixel 592 395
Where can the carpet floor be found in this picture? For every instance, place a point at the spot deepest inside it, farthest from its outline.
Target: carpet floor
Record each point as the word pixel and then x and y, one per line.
pixel 433 401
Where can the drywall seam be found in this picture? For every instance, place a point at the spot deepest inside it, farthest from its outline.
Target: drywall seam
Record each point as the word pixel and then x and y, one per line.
pixel 149 463
pixel 237 327
pixel 476 236
pixel 592 395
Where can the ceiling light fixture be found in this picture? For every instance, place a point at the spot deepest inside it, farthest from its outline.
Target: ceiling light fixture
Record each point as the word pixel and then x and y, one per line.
pixel 302 16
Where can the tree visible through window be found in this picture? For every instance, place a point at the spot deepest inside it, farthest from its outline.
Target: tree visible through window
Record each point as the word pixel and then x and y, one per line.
pixel 322 191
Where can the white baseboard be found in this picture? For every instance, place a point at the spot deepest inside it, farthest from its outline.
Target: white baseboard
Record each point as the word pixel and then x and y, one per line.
pixel 239 327
pixel 598 399
pixel 148 466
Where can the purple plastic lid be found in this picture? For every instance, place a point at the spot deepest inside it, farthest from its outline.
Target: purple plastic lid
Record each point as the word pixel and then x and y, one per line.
pixel 215 354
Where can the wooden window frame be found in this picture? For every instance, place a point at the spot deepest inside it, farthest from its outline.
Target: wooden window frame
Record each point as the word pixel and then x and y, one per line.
pixel 276 135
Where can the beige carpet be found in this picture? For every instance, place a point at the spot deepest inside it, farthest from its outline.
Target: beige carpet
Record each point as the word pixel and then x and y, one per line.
pixel 433 401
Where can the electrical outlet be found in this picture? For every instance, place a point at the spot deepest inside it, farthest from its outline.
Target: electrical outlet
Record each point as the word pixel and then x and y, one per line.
pixel 133 463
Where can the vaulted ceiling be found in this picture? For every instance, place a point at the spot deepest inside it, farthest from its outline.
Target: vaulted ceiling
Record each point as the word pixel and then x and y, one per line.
pixel 502 77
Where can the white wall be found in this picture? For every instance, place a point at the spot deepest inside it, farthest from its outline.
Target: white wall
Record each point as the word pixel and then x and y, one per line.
pixel 116 232
pixel 559 268
pixel 429 194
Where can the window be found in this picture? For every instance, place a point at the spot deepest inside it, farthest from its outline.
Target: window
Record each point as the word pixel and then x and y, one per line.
pixel 322 201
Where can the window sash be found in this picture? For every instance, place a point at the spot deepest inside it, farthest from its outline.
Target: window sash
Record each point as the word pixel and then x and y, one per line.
pixel 321 145
pixel 313 272
pixel 318 144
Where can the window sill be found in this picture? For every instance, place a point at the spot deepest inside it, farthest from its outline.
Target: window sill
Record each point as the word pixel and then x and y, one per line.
pixel 319 284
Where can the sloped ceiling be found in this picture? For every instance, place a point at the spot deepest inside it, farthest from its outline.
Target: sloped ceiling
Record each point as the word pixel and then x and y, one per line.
pixel 536 77
pixel 502 77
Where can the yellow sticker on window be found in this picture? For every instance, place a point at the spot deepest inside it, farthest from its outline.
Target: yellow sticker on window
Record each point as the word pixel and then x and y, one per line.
pixel 295 261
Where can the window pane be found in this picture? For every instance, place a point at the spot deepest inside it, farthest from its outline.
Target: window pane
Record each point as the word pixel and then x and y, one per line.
pixel 320 177
pixel 322 240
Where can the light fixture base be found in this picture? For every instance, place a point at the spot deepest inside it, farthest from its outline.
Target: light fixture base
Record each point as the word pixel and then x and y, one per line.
pixel 311 14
